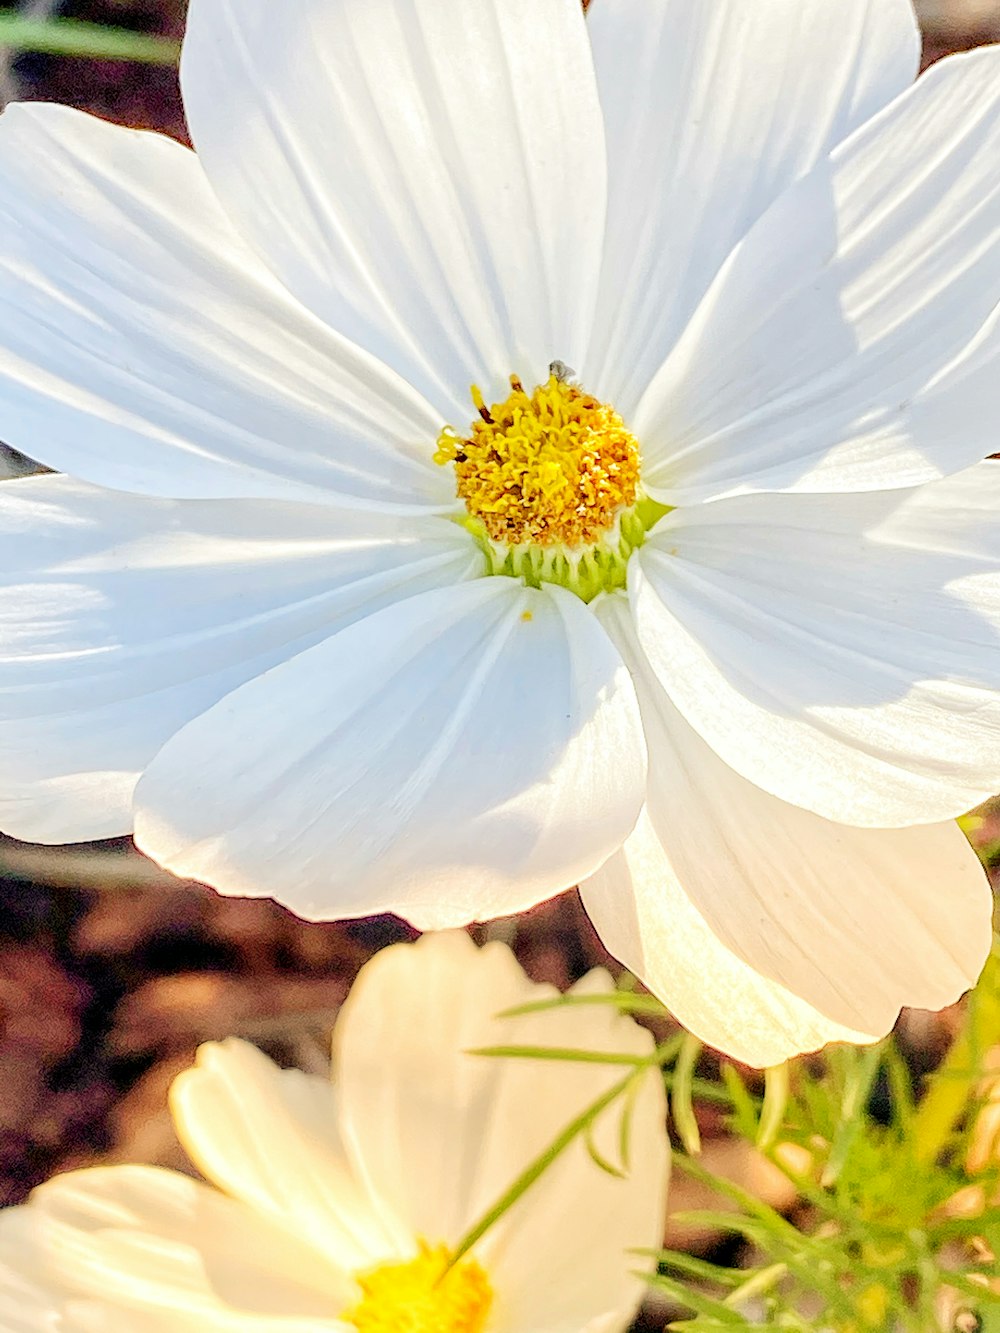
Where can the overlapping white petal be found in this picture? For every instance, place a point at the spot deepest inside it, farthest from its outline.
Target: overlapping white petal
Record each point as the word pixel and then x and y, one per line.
pixel 321 715
pixel 417 1110
pixel 99 1317
pixel 155 1240
pixel 840 652
pixel 645 918
pixel 144 346
pixel 381 1065
pixel 418 1135
pixel 428 177
pixel 231 1109
pixel 852 341
pixel 766 929
pixel 122 617
pixel 711 111
pixel 27 1307
pixel 461 756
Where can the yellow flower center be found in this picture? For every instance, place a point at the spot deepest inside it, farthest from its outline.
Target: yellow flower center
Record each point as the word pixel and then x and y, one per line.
pixel 550 482
pixel 418 1296
pixel 553 467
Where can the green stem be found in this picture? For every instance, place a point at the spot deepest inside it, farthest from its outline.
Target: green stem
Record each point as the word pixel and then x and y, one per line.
pixel 541 1163
pixel 772 1112
pixel 70 37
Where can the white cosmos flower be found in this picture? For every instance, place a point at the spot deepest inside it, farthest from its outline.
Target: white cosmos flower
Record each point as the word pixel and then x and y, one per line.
pixel 347 643
pixel 335 1204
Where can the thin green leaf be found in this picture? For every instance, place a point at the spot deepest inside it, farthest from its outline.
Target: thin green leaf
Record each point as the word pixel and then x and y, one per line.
pixel 682 1096
pixel 772 1112
pixel 598 1158
pixel 625 1126
pixel 702 1090
pixel 744 1107
pixel 700 1302
pixel 900 1087
pixel 947 1097
pixel 70 37
pixel 753 1206
pixel 691 1266
pixel 764 1280
pixel 569 1053
pixel 540 1164
pixel 700 1324
pixel 627 1001
pixel 858 1085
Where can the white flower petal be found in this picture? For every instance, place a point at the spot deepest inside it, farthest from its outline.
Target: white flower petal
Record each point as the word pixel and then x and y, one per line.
pixel 123 617
pixel 145 1239
pixel 645 918
pixel 47 1304
pixel 144 347
pixel 764 927
pixel 576 1209
pixel 26 1305
pixel 462 756
pixel 712 109
pixel 840 651
pixel 441 1134
pixel 852 341
pixel 97 1317
pixel 427 177
pixel 232 1109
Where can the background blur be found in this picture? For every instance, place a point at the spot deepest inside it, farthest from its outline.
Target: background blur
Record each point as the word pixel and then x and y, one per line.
pixel 111 972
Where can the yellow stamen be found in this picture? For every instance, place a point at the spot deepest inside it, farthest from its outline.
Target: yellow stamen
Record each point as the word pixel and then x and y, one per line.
pixel 553 467
pixel 418 1296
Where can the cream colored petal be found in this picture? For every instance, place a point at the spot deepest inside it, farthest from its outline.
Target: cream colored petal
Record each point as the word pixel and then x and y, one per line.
pixel 562 1259
pixel 27 1305
pixel 269 1138
pixel 156 1242
pixel 644 917
pixel 97 1317
pixel 440 1134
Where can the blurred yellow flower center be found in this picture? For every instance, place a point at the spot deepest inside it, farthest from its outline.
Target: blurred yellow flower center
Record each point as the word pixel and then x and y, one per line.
pixel 555 467
pixel 420 1297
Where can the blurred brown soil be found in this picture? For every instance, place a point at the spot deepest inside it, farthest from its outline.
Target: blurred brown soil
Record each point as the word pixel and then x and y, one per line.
pixel 112 973
pixel 143 96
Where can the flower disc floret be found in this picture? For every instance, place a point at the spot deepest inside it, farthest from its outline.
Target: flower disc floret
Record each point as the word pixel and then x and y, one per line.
pixel 423 1295
pixel 555 467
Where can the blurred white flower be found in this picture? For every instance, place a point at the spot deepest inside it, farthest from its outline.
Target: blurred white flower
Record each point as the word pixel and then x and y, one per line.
pixel 336 1203
pixel 366 656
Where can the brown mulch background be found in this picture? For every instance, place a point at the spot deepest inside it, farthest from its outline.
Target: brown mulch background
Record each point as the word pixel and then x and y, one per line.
pixel 112 973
